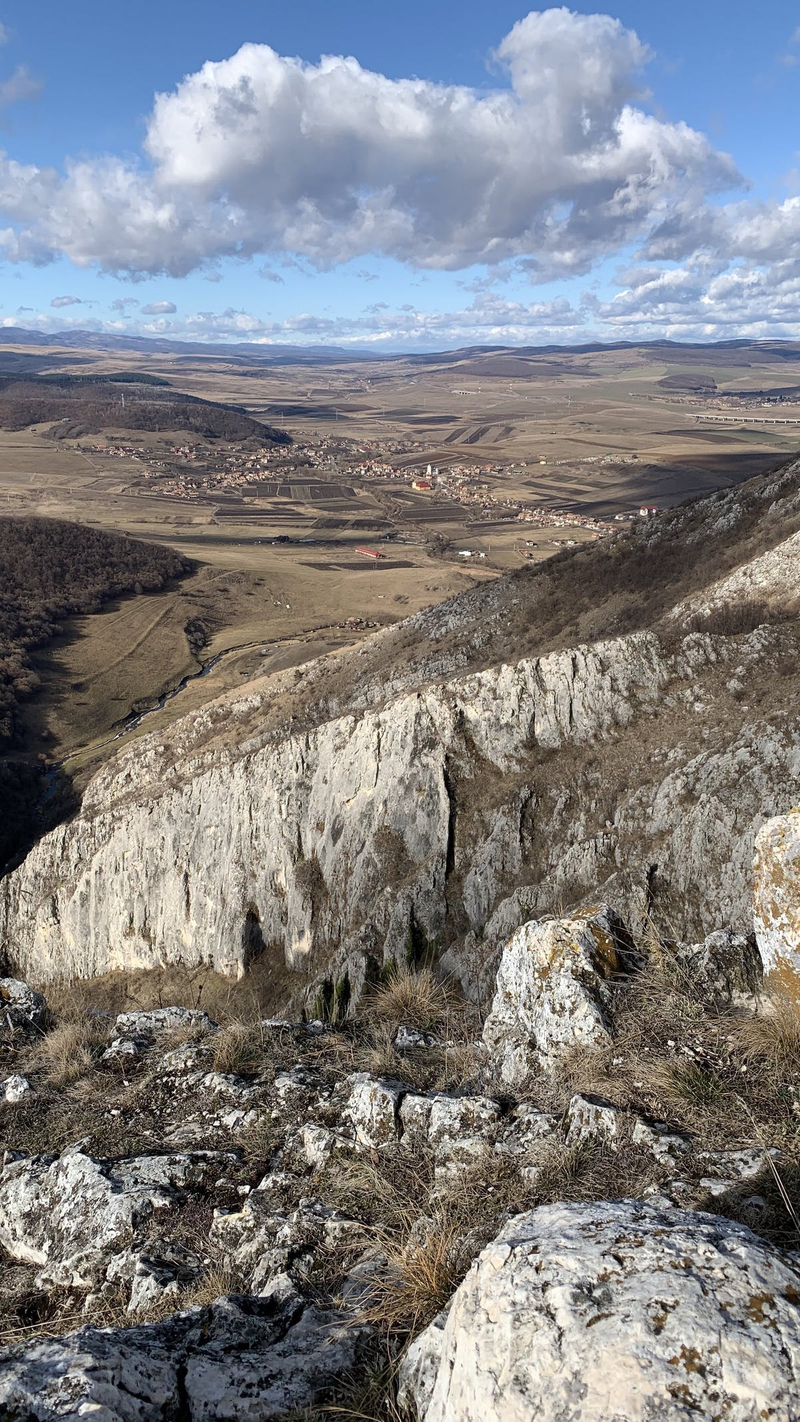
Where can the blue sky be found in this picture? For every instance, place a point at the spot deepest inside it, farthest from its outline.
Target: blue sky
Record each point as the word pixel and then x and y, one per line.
pixel 476 173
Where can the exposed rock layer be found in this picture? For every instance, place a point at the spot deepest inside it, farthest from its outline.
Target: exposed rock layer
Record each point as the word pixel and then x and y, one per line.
pixel 426 801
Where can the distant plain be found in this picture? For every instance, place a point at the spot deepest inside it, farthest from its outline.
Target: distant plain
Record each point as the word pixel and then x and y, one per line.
pixel 597 433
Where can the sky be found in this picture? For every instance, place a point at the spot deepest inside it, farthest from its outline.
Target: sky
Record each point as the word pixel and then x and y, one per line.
pixel 419 176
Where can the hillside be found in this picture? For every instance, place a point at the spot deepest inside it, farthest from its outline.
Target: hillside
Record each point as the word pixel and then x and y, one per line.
pixel 614 718
pixel 74 405
pixel 420 1028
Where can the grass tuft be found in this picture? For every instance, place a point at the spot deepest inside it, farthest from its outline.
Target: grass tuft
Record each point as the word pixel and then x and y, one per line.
pixel 415 999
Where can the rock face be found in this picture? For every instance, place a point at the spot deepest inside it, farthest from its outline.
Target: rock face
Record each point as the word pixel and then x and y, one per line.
pixel 455 783
pixel 776 898
pixel 620 1311
pixel 244 1358
pixel 553 992
pixel 323 847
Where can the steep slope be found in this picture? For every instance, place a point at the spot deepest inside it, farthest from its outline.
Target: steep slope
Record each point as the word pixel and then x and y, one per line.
pixel 622 717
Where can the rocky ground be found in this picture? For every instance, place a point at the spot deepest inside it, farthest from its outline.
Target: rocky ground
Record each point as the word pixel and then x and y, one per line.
pixel 583 1205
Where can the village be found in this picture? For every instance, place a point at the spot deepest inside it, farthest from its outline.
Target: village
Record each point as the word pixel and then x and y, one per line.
pixel 196 473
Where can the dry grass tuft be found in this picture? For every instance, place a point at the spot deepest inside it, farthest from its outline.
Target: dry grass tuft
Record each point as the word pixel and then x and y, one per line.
pixel 425 1263
pixel 773 1036
pixel 371 1397
pixel 238 1048
pixel 414 999
pixel 67 1053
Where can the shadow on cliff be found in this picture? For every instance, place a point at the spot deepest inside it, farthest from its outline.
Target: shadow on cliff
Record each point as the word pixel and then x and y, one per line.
pixel 34 798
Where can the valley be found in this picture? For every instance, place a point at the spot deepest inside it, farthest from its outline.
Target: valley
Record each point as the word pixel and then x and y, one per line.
pixel 453 468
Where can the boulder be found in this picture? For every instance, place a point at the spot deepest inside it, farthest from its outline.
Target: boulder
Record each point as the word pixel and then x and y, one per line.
pixel 776 899
pixel 615 1310
pixel 461 1128
pixel 553 992
pixel 163 1019
pixel 243 1358
pixel 527 1128
pixel 590 1120
pixel 23 1011
pixel 373 1108
pixel 124 1049
pixel 71 1215
pixel 663 1144
pixel 263 1241
pixel 726 965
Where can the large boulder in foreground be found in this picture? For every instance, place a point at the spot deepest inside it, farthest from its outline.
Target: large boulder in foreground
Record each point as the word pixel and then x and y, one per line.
pixel 553 992
pixel 615 1312
pixel 776 899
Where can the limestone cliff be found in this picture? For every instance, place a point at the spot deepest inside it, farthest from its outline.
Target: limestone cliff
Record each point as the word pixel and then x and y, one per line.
pixel 434 787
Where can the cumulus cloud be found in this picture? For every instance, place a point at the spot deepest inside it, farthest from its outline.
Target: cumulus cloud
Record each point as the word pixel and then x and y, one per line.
pixel 260 153
pixel 66 301
pixel 123 302
pixel 159 308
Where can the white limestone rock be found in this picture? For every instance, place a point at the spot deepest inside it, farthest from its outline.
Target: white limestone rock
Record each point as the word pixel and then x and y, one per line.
pixel 419 1368
pixel 415 1116
pixel 409 1039
pixel 318 1144
pixel 619 1310
pixel 527 1129
pixel 248 1359
pixel 71 1214
pixel 553 992
pixel 776 899
pixel 726 964
pixel 461 1128
pixel 136 880
pixel 590 1120
pixel 14 1088
pixel 163 1019
pixel 23 1011
pixel 664 1144
pixel 264 1241
pixel 126 1049
pixel 725 1170
pixel 373 1108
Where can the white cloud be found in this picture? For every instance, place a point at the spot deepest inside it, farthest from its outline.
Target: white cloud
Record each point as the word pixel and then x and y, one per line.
pixel 159 308
pixel 66 301
pixel 263 154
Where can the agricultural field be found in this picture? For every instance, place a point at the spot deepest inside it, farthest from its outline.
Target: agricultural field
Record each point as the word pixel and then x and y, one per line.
pixel 528 451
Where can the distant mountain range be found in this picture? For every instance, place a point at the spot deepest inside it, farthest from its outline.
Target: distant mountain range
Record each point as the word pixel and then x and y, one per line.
pixel 256 354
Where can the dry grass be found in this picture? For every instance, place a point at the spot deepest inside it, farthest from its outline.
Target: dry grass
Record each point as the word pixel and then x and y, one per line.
pixel 68 1052
pixel 239 1048
pixel 415 999
pixel 773 1036
pixel 426 1259
pixel 370 1397
pixel 262 992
